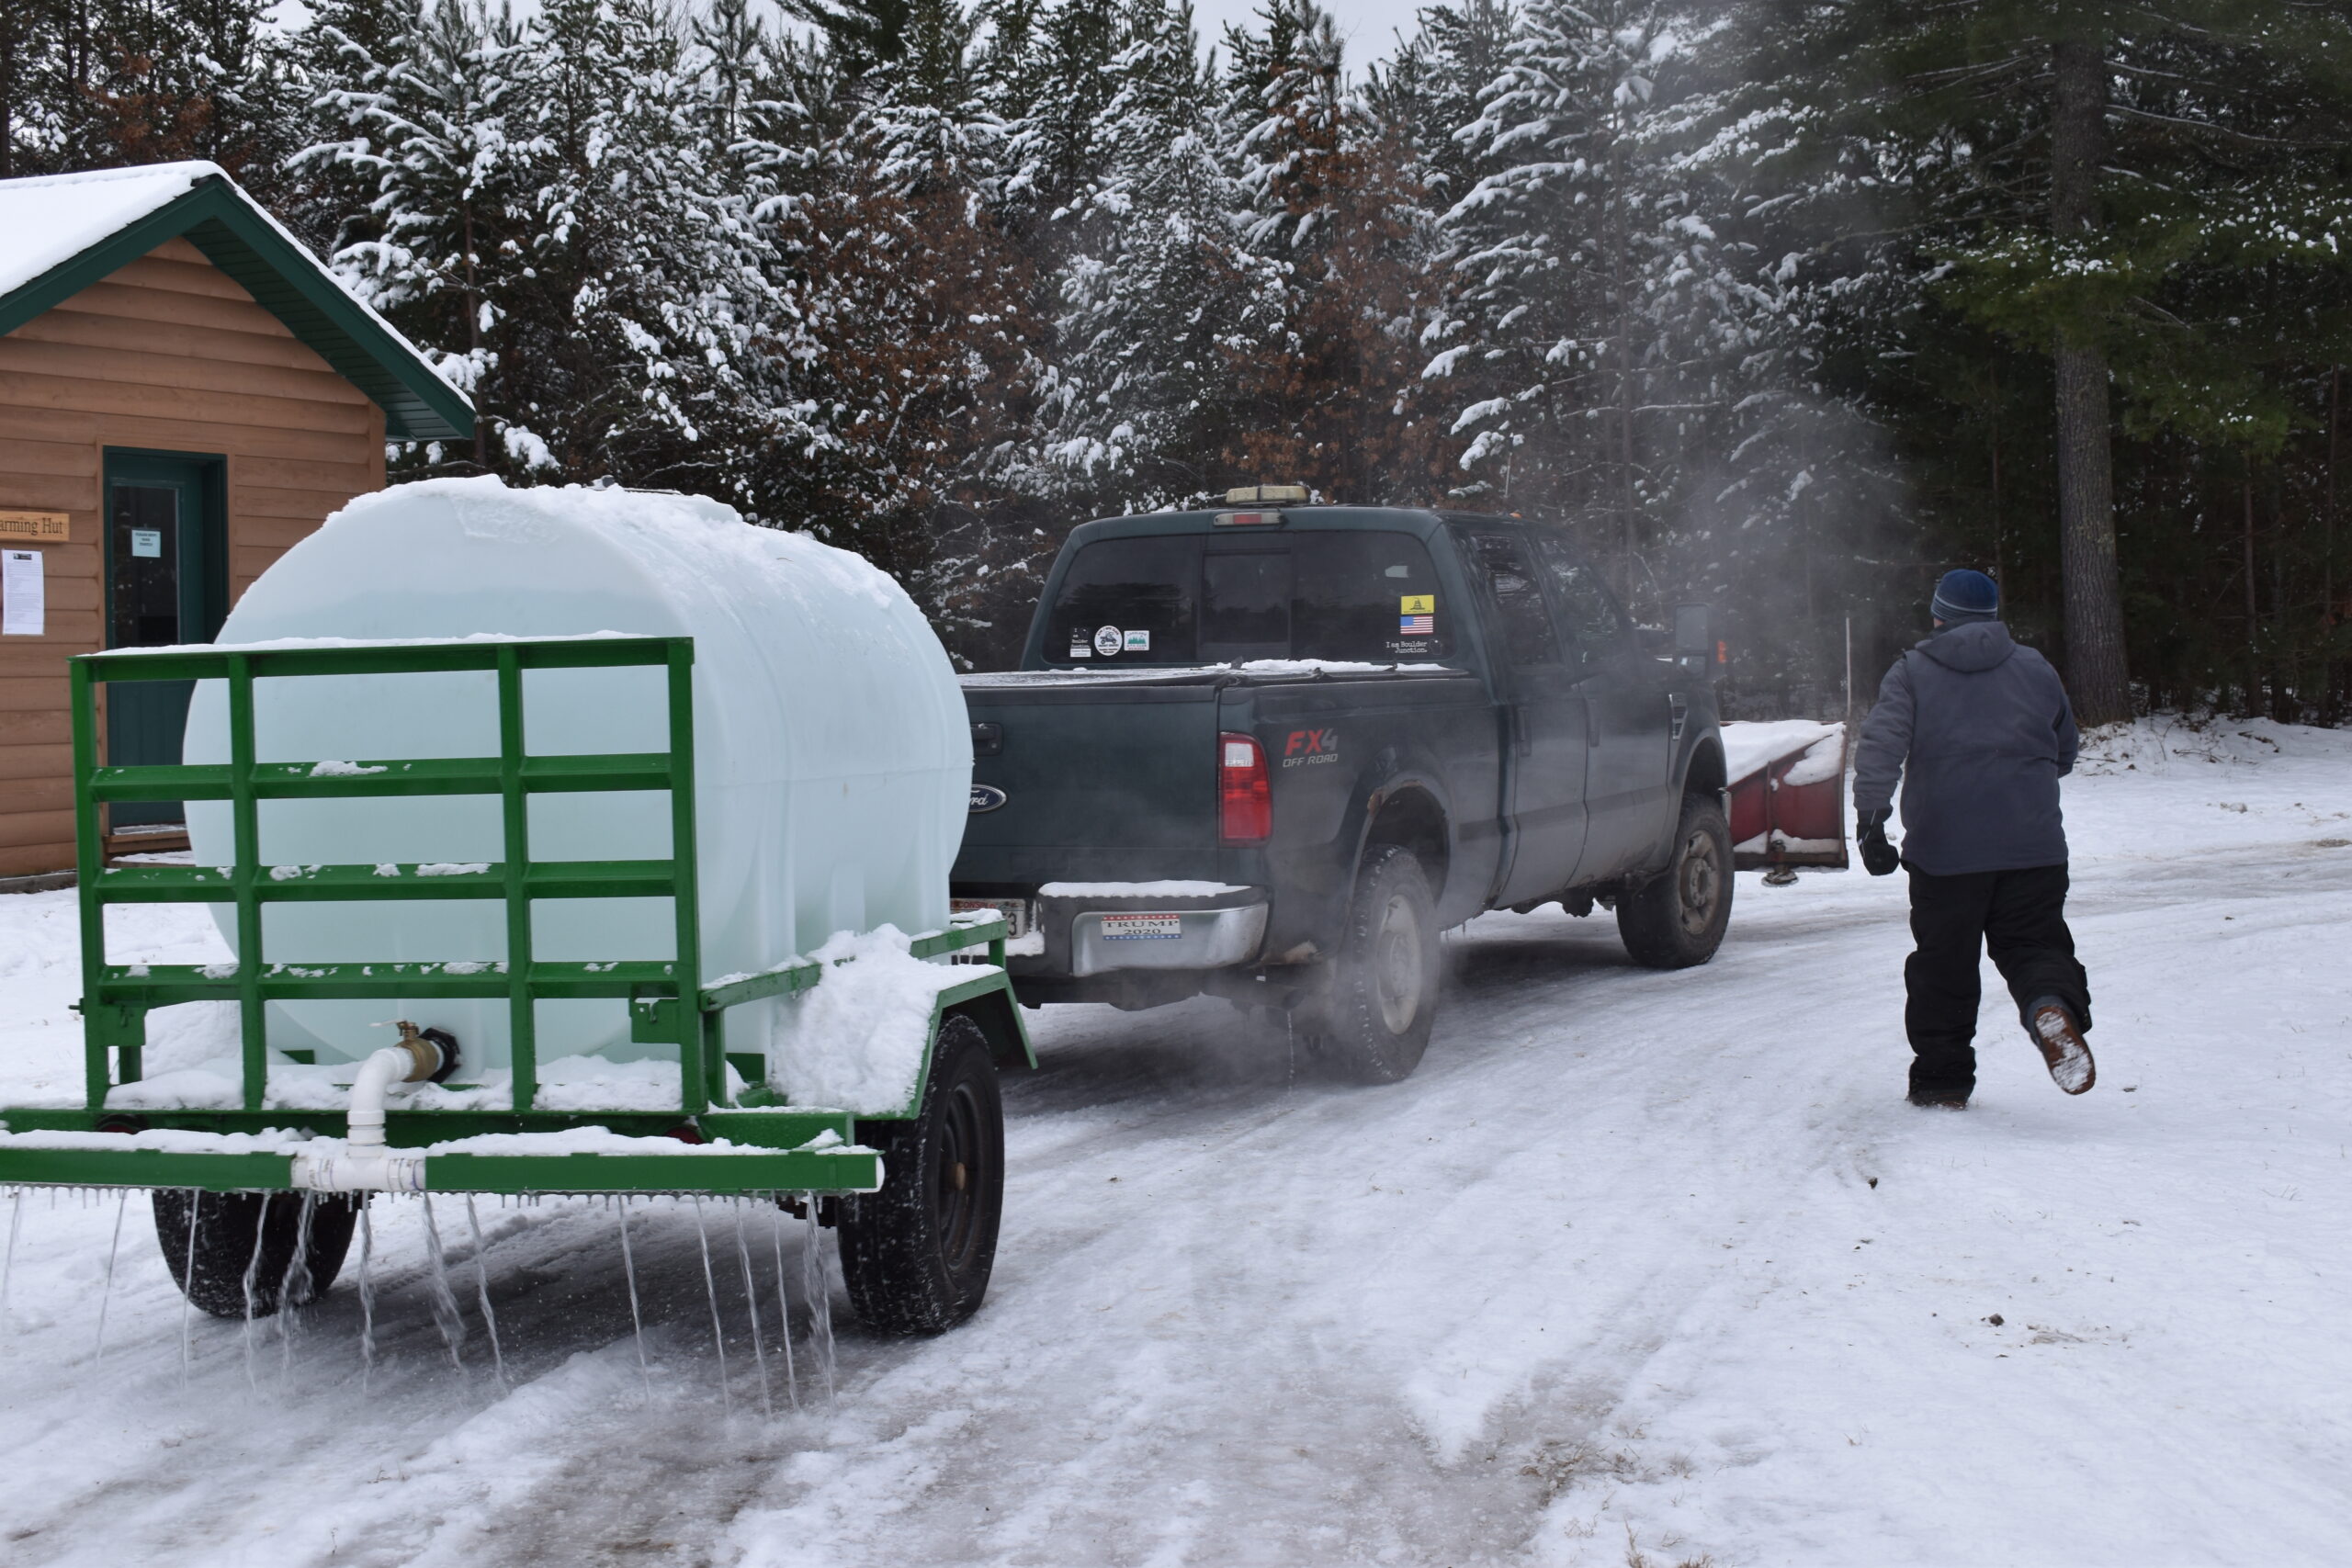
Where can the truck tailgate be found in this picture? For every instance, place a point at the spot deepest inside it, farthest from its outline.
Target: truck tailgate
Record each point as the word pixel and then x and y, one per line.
pixel 1117 779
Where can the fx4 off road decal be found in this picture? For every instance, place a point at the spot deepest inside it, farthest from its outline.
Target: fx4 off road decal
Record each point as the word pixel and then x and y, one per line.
pixel 1307 747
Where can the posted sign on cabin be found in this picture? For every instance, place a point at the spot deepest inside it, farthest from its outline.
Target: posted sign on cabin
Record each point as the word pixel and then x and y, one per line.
pixel 44 527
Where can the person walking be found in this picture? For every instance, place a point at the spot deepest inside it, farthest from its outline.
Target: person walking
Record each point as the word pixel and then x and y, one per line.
pixel 1979 731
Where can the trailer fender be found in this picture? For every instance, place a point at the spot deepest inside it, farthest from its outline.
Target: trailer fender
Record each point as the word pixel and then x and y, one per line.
pixel 1000 1022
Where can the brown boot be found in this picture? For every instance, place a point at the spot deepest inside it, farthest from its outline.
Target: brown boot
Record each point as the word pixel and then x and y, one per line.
pixel 2068 1053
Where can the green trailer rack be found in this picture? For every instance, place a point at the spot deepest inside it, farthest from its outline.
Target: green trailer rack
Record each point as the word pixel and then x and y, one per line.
pixel 915 1194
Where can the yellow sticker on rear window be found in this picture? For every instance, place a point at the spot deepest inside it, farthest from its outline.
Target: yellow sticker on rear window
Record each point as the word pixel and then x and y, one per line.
pixel 1418 605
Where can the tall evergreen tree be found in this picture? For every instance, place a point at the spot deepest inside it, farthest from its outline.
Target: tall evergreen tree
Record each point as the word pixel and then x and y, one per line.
pixel 2106 152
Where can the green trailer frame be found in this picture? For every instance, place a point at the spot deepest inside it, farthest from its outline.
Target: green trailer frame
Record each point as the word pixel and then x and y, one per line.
pixel 771 1148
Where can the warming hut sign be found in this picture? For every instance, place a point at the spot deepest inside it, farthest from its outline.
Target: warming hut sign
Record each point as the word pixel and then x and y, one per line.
pixel 40 527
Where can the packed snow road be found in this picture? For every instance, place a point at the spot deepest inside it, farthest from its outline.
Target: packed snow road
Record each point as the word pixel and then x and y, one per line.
pixel 1639 1267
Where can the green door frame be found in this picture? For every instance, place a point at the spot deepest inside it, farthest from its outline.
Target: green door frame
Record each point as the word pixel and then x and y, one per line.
pixel 146 719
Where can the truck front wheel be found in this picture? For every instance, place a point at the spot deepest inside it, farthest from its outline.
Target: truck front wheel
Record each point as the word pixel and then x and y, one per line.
pixel 1376 1022
pixel 1677 920
pixel 916 1255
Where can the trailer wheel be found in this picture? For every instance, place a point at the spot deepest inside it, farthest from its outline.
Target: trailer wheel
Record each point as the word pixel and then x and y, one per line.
pixel 1374 1025
pixel 1677 920
pixel 916 1255
pixel 242 1234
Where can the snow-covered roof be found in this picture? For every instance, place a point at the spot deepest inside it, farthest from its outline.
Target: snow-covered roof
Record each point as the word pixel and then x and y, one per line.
pixel 59 233
pixel 49 219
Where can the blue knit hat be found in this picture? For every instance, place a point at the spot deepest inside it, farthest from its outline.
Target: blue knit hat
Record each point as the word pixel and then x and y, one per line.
pixel 1963 595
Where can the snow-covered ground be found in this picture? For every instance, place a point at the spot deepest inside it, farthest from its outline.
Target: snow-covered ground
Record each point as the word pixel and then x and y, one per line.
pixel 1638 1267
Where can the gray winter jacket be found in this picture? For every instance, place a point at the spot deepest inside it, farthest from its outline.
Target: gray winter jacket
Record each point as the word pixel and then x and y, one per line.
pixel 1980 731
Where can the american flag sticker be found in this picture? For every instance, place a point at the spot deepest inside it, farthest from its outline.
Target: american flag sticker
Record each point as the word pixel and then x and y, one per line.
pixel 1417 626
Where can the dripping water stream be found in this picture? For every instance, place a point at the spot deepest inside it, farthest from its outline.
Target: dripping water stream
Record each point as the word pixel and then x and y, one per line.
pixel 106 1292
pixel 482 1290
pixel 752 1304
pixel 636 1316
pixel 445 1301
pixel 717 1334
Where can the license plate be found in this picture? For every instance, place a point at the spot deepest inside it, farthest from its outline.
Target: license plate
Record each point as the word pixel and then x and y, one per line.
pixel 1014 910
pixel 1142 927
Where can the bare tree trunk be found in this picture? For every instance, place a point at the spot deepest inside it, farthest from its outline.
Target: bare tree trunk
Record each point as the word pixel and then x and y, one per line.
pixel 2331 711
pixel 1999 576
pixel 2095 671
pixel 474 333
pixel 1620 285
pixel 2253 612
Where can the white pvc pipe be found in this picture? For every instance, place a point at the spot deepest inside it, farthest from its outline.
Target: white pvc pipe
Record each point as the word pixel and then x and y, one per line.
pixel 365 1162
pixel 345 1173
pixel 373 1085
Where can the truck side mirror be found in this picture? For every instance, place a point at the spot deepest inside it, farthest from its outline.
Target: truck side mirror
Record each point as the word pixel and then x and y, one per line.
pixel 1694 641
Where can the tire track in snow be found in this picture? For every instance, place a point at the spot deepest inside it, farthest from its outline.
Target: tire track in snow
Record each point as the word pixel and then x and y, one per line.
pixel 1305 1324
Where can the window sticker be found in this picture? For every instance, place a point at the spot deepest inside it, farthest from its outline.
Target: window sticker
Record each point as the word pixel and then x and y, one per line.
pixel 1139 642
pixel 148 543
pixel 1078 646
pixel 1418 605
pixel 1417 626
pixel 1108 640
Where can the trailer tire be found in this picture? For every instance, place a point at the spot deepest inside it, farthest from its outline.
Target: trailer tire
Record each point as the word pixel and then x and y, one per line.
pixel 1677 920
pixel 256 1233
pixel 1374 1024
pixel 916 1256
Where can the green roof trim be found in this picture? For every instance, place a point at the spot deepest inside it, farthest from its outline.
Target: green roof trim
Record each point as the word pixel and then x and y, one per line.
pixel 288 282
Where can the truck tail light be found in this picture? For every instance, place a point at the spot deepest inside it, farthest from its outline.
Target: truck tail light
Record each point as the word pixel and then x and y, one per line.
pixel 1245 799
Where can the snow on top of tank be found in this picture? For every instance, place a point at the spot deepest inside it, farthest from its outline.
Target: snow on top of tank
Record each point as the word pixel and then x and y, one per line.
pixel 693 528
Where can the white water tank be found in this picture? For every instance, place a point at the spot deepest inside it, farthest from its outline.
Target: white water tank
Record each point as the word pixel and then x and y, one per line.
pixel 832 755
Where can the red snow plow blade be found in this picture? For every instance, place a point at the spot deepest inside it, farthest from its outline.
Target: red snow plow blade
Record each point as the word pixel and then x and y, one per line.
pixel 1788 796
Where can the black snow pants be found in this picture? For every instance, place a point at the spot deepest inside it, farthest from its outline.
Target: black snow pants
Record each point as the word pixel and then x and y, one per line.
pixel 2022 917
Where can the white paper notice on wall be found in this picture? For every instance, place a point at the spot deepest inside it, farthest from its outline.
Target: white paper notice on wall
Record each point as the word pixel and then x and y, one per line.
pixel 24 602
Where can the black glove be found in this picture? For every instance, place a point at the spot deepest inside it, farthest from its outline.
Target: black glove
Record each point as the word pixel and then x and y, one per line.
pixel 1879 857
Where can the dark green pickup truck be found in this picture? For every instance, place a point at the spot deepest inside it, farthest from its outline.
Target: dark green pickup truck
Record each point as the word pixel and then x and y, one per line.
pixel 1269 753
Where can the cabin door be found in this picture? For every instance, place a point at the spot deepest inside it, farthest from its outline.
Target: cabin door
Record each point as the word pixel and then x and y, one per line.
pixel 166 580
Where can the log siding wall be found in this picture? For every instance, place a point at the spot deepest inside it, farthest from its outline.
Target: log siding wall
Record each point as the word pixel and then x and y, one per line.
pixel 166 354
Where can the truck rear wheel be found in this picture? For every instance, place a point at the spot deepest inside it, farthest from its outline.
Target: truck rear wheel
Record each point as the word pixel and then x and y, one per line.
pixel 916 1255
pixel 1678 919
pixel 241 1238
pixel 1376 1022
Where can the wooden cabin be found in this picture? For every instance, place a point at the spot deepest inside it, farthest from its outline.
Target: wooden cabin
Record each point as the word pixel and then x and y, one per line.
pixel 185 392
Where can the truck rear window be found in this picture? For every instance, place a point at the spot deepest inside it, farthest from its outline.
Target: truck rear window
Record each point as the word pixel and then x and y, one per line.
pixel 1211 599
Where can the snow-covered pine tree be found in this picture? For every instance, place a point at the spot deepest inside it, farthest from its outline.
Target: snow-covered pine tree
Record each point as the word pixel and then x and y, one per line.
pixel 911 322
pixel 1578 267
pixel 100 84
pixel 1140 395
pixel 637 355
pixel 347 55
pixel 421 120
pixel 1325 353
